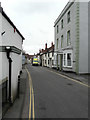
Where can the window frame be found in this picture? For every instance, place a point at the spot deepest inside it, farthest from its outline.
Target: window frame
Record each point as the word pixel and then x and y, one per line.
pixel 45 61
pixel 57 43
pixel 64 59
pixel 62 25
pixel 48 62
pixel 66 65
pixel 62 38
pixel 70 60
pixel 68 17
pixel 48 54
pixel 57 29
pixel 52 62
pixel 68 37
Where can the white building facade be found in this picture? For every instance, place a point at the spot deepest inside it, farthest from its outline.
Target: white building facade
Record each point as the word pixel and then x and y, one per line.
pixel 50 56
pixel 71 38
pixel 10 55
pixel 47 56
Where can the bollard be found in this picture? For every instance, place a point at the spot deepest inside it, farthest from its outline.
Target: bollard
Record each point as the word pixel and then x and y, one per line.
pixel 18 85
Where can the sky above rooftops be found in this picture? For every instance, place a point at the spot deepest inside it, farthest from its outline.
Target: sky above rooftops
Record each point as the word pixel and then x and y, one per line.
pixel 35 20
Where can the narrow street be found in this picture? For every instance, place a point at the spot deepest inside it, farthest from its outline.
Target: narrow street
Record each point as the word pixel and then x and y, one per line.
pixel 44 59
pixel 54 96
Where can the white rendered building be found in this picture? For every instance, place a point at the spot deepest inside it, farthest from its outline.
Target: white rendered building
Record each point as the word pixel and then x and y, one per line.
pixel 71 38
pixel 11 41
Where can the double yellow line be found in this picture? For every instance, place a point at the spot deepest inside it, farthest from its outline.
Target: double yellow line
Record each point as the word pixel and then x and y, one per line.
pixel 31 105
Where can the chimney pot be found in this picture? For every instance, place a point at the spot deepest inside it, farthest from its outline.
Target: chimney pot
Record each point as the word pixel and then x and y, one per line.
pixel 52 44
pixel 45 46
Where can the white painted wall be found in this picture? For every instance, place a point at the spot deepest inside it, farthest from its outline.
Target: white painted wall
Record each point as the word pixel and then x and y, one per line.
pixel 89 38
pixel 0 45
pixel 16 67
pixel 10 39
pixel 67 26
pixel 0 67
pixel 47 60
pixel 83 41
pixel 83 48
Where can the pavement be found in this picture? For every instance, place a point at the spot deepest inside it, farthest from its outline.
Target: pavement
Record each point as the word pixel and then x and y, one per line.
pixel 16 110
pixel 79 77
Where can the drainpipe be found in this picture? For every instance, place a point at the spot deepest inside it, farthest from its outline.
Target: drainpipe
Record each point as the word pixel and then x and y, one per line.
pixel 8 50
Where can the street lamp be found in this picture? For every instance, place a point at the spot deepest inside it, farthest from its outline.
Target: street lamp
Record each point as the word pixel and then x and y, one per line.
pixel 8 50
pixel 8 47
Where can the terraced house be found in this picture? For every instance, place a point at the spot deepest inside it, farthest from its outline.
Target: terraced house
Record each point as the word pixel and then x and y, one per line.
pixel 10 58
pixel 47 56
pixel 71 38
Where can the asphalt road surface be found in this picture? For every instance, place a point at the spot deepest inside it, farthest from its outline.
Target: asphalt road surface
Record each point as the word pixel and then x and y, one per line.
pixel 54 96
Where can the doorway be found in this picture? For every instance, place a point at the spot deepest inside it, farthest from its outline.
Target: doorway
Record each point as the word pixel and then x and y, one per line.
pixel 61 62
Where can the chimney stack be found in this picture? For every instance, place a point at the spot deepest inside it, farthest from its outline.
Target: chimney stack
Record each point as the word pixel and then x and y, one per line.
pixel 42 50
pixel 52 44
pixel 45 46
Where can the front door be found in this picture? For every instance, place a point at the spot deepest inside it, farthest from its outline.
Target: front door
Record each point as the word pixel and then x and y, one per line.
pixel 61 62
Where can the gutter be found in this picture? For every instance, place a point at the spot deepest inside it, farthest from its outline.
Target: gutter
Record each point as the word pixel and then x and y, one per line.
pixel 8 50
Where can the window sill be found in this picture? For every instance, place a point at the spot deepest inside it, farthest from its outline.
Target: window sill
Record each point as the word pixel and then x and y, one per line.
pixel 70 67
pixel 68 47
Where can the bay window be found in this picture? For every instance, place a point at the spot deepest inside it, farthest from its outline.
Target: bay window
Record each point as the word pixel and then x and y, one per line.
pixel 67 60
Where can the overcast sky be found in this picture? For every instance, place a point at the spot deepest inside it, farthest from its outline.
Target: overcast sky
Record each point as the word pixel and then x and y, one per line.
pixel 35 20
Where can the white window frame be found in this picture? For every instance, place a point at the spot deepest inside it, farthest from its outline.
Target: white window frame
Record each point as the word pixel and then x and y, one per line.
pixel 64 59
pixel 68 37
pixel 57 43
pixel 71 60
pixel 67 52
pixel 62 38
pixel 57 29
pixel 68 16
pixel 62 25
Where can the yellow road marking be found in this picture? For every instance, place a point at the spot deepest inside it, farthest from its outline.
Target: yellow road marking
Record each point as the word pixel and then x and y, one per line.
pixel 69 78
pixel 31 105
